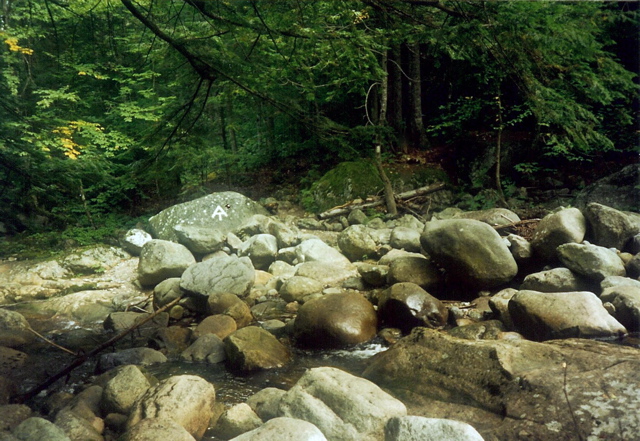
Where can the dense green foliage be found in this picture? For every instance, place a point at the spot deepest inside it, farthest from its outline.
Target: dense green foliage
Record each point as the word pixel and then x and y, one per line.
pixel 107 106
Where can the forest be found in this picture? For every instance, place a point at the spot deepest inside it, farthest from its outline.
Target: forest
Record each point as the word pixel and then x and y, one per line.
pixel 112 109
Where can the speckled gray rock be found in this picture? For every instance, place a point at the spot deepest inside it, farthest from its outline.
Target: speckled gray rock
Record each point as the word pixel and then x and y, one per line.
pixel 161 259
pixel 124 389
pixel 544 316
pixel 554 280
pixel 154 429
pixel 94 260
pixel 499 304
pixel 283 429
pixel 610 228
pixel 235 421
pixel 265 402
pixel 200 240
pixel 133 241
pixel 296 288
pixel 356 243
pixel 591 261
pixel 252 349
pixel 626 301
pixel 14 329
pixel 167 291
pixel 39 429
pixel 221 274
pixel 405 238
pixel 567 225
pixel 224 211
pixel 520 248
pixel 262 249
pixel 416 428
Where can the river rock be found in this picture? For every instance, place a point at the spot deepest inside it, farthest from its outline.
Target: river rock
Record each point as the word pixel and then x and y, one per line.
pixel 121 321
pixel 567 225
pixel 618 190
pixel 14 329
pixel 328 273
pixel 122 391
pixel 418 270
pixel 252 349
pixel 554 280
pixel 224 211
pixel 207 348
pixel 520 248
pixel 611 281
pixel 285 235
pixel 491 216
pixel 171 340
pixel 407 305
pixel 544 316
pixel 633 266
pixel 373 275
pixel 94 260
pixel 79 419
pixel 231 305
pixel 11 415
pixel 265 402
pixel 167 291
pixel 262 249
pixel 511 390
pixel 283 429
pixel 154 429
pixel 591 261
pixel 139 356
pixel 296 288
pixel 36 428
pixel 235 421
pixel 356 243
pixel 610 228
pixel 471 252
pixel 200 240
pixel 341 405
pixel 626 301
pixel 221 325
pixel 219 275
pixel 161 259
pixel 483 330
pixel 186 399
pixel 315 250
pixel 133 241
pixel 335 320
pixel 416 428
pixel 406 239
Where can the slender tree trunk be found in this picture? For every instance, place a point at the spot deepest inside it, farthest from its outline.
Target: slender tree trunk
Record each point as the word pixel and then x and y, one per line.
pixel 417 132
pixel 498 158
pixel 389 197
pixel 384 91
pixel 231 131
pixel 223 126
pixel 394 103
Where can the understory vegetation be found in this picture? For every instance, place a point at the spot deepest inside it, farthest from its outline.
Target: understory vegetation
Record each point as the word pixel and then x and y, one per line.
pixel 111 110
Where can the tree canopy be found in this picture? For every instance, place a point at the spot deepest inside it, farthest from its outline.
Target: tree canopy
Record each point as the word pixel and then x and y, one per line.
pixel 106 104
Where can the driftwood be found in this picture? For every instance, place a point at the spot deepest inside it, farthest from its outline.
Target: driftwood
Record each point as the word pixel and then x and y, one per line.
pixel 82 358
pixel 379 200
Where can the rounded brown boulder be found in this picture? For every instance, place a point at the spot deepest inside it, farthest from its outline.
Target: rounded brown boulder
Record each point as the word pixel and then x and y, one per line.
pixel 335 320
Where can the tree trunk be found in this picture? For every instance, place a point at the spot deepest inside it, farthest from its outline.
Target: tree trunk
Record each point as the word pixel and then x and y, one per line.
pixel 416 126
pixel 498 157
pixel 384 91
pixel 389 197
pixel 228 103
pixel 394 103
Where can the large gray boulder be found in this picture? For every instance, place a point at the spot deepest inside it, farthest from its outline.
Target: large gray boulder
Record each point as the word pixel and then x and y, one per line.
pixel 122 391
pixel 342 406
pixel 404 238
pixel 283 429
pixel 262 249
pixel 235 421
pixel 567 225
pixel 619 190
pixel 200 240
pixel 161 259
pixel 186 399
pixel 224 212
pixel 554 280
pixel 509 388
pixel 315 250
pixel 335 320
pixel 626 301
pixel 471 252
pixel 491 216
pixel 296 288
pixel 610 228
pixel 219 275
pixel 544 316
pixel 416 428
pixel 36 428
pixel 253 349
pixel 591 261
pixel 407 305
pixel 154 429
pixel 356 243
pixel 14 329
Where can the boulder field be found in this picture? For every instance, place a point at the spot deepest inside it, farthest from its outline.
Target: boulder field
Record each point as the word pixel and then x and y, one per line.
pixel 491 335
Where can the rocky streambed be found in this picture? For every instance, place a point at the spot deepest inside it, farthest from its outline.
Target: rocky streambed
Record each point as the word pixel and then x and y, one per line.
pixel 478 332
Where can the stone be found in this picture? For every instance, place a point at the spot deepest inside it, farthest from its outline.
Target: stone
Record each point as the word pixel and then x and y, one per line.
pixel 508 388
pixel 283 429
pixel 262 249
pixel 223 274
pixel 296 288
pixel 610 228
pixel 285 235
pixel 200 240
pixel 334 321
pixel 154 429
pixel 484 330
pixel 544 316
pixel 133 241
pixel 567 225
pixel 79 419
pixel 221 325
pixel 223 211
pixel 186 399
pixel 207 348
pixel 406 239
pixel 171 340
pixel 591 261
pixel 554 280
pixel 94 260
pixel 357 217
pixel 122 391
pixel 121 321
pixel 341 405
pixel 36 428
pixel 161 259
pixel 167 291
pixel 235 421
pixel 138 356
pixel 520 248
pixel 418 270
pixel 14 329
pixel 265 402
pixel 373 275
pixel 315 250
pixel 409 221
pixel 610 281
pixel 282 269
pixel 253 349
pixel 231 305
pixel 618 190
pixel 471 252
pixel 328 273
pixel 633 267
pixel 407 305
pixel 416 428
pixel 626 301
pixel 491 216
pixel 356 243
pixel 11 415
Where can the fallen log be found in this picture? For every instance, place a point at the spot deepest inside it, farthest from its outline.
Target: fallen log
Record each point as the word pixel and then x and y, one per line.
pixel 379 200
